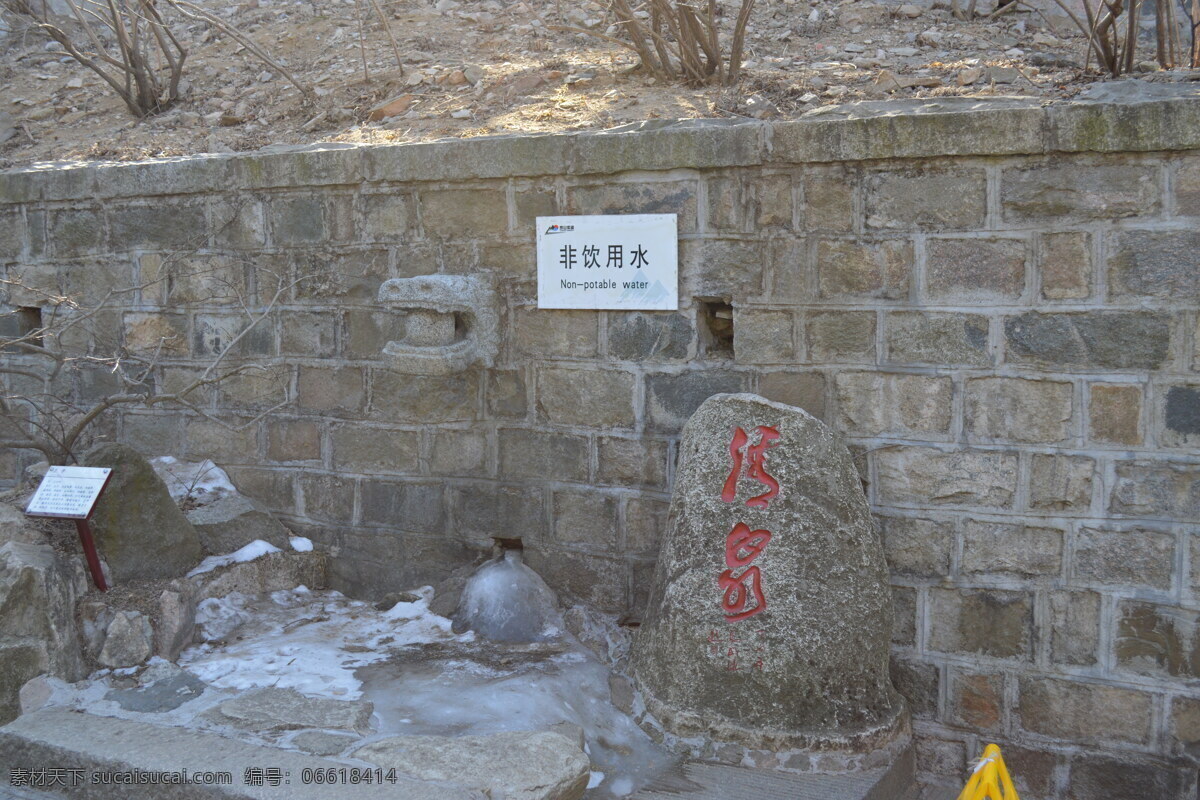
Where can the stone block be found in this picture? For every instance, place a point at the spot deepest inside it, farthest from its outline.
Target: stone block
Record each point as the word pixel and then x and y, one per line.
pixel 790 273
pixel 1177 416
pixel 763 337
pixel 75 232
pixel 1134 557
pixel 556 333
pixel 648 336
pixel 414 507
pixel 854 268
pixel 1115 414
pixel 506 394
pixel 587 519
pixel 920 476
pixel 208 439
pixel 874 404
pixel 1187 187
pixel 940 756
pixel 745 203
pixel 675 197
pixel 477 513
pixel 1061 483
pixel 531 202
pixel 1097 777
pixel 1066 262
pixel 539 455
pixel 389 217
pixel 329 497
pixel 662 145
pixel 1156 640
pixel 1019 410
pixel 1021 551
pixel 645 524
pixel 1074 627
pixel 598 398
pixel 729 268
pixel 1070 191
pixel 397 397
pixel 802 389
pixel 840 336
pixel 917 548
pixel 829 198
pixel 1034 772
pixel 917 337
pixel 297 220
pixel 214 334
pixel 255 389
pixel 1164 264
pixel 153 434
pixel 330 389
pixel 672 397
pixel 1092 340
pixel 475 213
pixel 1084 712
pixel 293 440
pixel 238 223
pixel 599 580
pixel 343 273
pixel 926 199
pixel 1185 726
pixel 160 226
pixel 977 700
pixel 459 454
pixel 305 333
pixel 12 236
pixel 978 269
pixel 193 279
pixel 904 617
pixel 272 487
pixel 632 462
pixel 360 449
pixel 1156 489
pixel 919 684
pixel 469 159
pixel 322 164
pixel 990 622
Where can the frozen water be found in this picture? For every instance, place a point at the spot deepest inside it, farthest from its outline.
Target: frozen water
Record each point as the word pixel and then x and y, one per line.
pixel 506 601
pixel 301 544
pixel 256 549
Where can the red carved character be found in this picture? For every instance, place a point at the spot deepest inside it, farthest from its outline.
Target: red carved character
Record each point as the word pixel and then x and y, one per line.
pixel 738 590
pixel 755 456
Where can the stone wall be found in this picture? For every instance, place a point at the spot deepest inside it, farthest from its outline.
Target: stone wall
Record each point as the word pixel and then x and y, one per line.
pixel 997 303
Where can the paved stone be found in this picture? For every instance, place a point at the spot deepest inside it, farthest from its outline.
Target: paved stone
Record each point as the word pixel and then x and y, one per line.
pixel 797 510
pixel 517 764
pixel 323 743
pixel 108 744
pixel 273 709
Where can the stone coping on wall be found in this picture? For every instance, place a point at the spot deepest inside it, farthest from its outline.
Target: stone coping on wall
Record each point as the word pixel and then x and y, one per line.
pixel 1118 116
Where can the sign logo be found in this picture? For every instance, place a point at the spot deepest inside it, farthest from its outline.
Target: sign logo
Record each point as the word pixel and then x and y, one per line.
pixel 559 228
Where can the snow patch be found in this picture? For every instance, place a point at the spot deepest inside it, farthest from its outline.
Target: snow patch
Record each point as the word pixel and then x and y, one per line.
pixel 256 549
pixel 301 544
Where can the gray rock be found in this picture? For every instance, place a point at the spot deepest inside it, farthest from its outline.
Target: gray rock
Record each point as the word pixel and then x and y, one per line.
pixel 37 619
pixel 323 743
pixel 435 302
pixel 127 640
pixel 271 573
pixel 233 521
pixel 516 765
pixel 620 691
pixel 138 527
pixel 771 641
pixel 94 617
pixel 162 695
pixel 15 527
pixel 176 622
pixel 275 709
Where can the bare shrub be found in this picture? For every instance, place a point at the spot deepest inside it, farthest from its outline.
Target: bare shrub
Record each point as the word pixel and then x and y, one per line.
pixel 679 41
pixel 126 42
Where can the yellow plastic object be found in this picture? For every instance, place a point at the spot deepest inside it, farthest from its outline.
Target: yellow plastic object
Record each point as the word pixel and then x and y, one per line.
pixel 990 780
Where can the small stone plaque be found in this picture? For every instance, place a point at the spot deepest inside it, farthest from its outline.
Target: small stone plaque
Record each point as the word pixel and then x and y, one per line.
pixel 68 492
pixel 609 261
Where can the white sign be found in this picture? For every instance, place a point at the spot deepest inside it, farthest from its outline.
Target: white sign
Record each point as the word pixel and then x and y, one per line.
pixel 68 492
pixel 624 261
